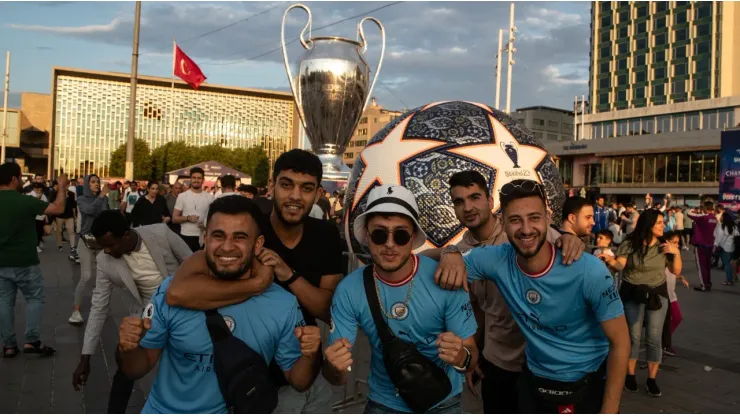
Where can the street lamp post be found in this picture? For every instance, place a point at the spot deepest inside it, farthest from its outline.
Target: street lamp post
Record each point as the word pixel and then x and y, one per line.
pixel 132 103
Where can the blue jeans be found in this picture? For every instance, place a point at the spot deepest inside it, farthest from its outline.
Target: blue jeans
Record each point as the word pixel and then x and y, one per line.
pixel 452 405
pixel 727 263
pixel 31 284
pixel 636 314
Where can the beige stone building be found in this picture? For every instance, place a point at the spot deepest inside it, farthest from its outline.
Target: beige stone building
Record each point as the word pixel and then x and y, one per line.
pixel 373 120
pixel 28 133
pixel 664 82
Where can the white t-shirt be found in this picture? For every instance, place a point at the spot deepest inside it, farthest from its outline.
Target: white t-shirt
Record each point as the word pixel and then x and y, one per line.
pixel 316 212
pixel 144 271
pixel 670 282
pixel 41 197
pixel 191 203
pixel 130 197
pixel 617 232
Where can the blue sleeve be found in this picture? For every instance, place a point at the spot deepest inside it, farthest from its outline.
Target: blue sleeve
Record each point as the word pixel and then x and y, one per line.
pixel 483 263
pixel 159 312
pixel 288 349
pixel 459 318
pixel 343 313
pixel 600 291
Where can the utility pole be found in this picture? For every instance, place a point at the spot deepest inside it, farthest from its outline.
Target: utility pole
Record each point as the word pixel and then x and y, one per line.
pixel 132 103
pixel 575 118
pixel 5 107
pixel 499 51
pixel 511 49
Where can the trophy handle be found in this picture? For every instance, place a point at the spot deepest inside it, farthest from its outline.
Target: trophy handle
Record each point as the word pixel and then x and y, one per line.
pixel 296 94
pixel 363 43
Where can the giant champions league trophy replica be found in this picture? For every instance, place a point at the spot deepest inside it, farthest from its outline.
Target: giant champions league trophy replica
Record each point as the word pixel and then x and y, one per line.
pixel 331 90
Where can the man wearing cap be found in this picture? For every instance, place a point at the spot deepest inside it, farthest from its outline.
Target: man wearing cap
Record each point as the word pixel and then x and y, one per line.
pixel 439 323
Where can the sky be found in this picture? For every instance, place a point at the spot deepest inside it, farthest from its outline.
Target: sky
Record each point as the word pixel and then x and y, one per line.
pixel 435 51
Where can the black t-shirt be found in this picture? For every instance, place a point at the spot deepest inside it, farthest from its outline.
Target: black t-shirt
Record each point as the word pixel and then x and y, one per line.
pixel 325 206
pixel 319 253
pixel 264 204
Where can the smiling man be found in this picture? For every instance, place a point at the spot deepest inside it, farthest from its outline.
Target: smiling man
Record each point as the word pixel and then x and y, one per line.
pixel 571 316
pixel 306 254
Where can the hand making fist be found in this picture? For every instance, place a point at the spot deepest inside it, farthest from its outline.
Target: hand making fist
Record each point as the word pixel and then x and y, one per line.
pixel 339 355
pixel 310 339
pixel 450 349
pixel 131 332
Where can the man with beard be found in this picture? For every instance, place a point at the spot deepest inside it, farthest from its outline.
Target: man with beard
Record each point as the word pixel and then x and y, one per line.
pixel 191 209
pixel 19 260
pixel 269 323
pixel 578 217
pixel 498 337
pixel 439 323
pixel 306 254
pixel 135 261
pixel 571 316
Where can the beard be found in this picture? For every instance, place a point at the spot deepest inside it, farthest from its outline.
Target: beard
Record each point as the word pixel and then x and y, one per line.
pixel 279 212
pixel 228 274
pixel 390 269
pixel 526 255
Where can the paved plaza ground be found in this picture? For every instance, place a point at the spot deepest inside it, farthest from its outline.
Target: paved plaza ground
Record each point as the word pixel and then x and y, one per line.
pixel 704 378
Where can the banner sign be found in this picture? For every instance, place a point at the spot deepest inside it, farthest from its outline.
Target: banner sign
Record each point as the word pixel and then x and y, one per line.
pixel 729 170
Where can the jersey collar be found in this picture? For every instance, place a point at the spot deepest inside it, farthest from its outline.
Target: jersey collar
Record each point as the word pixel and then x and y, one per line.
pixel 546 269
pixel 403 281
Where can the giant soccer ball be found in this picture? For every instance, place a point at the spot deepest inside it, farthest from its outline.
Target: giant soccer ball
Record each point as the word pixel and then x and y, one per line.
pixel 424 147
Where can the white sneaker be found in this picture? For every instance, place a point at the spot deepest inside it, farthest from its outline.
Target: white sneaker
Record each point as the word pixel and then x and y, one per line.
pixel 76 318
pixel 38 249
pixel 41 244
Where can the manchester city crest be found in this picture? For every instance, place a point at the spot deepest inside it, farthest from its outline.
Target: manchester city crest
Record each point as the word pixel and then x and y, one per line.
pixel 230 323
pixel 533 297
pixel 399 311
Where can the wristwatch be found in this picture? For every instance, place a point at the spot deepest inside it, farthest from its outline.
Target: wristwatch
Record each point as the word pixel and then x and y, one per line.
pixel 465 365
pixel 290 281
pixel 450 249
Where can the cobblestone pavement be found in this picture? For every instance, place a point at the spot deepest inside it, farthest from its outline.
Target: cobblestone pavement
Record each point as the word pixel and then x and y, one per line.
pixel 707 340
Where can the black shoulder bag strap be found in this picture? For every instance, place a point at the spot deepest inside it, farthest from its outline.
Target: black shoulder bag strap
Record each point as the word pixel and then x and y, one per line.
pixel 384 332
pixel 217 328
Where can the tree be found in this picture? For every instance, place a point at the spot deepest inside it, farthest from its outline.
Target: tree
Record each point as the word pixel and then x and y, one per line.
pixel 172 156
pixel 142 160
pixel 261 172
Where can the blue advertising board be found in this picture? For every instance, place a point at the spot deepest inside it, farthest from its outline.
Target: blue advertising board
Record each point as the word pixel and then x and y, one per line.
pixel 729 170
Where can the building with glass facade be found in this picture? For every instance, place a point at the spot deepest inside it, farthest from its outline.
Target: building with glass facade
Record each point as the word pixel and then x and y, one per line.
pixel 374 118
pixel 90 117
pixel 664 82
pixel 546 123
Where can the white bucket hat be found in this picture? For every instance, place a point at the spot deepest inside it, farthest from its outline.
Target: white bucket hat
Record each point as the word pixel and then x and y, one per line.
pixel 393 199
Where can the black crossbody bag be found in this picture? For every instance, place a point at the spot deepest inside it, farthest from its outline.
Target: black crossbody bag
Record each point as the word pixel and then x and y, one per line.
pixel 242 373
pixel 418 380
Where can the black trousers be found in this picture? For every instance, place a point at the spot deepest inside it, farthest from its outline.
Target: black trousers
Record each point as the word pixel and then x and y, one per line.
pixel 120 393
pixel 192 242
pixel 589 401
pixel 40 231
pixel 498 389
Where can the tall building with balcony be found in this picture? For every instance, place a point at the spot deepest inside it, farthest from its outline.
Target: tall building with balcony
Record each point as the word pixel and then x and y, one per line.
pixel 90 117
pixel 374 118
pixel 664 82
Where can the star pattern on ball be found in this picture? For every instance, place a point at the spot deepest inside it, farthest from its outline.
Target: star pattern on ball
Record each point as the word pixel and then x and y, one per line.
pixel 386 157
pixel 494 155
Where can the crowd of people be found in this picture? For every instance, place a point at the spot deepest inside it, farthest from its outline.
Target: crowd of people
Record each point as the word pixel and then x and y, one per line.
pixel 226 285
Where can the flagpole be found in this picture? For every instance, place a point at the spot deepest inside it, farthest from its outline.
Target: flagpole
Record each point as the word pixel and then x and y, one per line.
pixel 172 108
pixel 132 104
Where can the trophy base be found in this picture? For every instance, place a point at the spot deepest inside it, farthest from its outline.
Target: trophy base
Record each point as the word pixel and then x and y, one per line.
pixel 333 167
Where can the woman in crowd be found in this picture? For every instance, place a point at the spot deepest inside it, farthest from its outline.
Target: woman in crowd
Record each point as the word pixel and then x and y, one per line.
pixel 673 317
pixel 724 244
pixel 151 209
pixel 90 204
pixel 642 260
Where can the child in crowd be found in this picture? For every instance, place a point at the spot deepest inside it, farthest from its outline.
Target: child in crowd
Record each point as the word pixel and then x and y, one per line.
pixel 673 318
pixel 616 230
pixel 604 240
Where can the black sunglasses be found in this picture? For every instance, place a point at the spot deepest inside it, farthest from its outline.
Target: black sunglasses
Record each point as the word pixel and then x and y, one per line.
pixel 400 237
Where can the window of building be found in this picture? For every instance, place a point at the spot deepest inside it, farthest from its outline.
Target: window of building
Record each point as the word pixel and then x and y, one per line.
pixel 678 86
pixel 682 34
pixel 606 20
pixel 361 132
pixel 677 122
pixel 640 43
pixel 538 134
pixel 710 167
pixel 623 32
pixel 659 56
pixel 622 64
pixel 660 39
pixel 605 52
pixel 683 167
pixel 680 69
pixel 679 52
pixel 349 155
pixel 726 119
pixel 679 18
pixel 663 124
pixel 648 125
pixel 658 22
pixel 638 93
pixel 692 121
pixel 375 119
pixel 641 27
pixel 634 127
pixel 703 29
pixel 695 166
pixel 604 67
pixel 623 48
pixel 538 122
pixel 609 130
pixel 551 136
pixel 621 95
pixel 661 6
pixel 642 11
pixel 709 120
pixel 703 9
pixel 639 60
pixel 622 128
pixel 605 36
pixel 624 16
pixel 363 120
pixel 596 131
pixel 604 98
pixel 659 73
pixel 640 76
pixel 360 143
pixel 552 124
pixel 672 167
pixel 701 83
pixel 702 47
pixel 660 168
pixel 622 80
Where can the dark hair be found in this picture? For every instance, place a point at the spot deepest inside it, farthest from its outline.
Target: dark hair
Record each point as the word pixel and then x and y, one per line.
pixel 643 232
pixel 38 185
pixel 601 197
pixel 727 222
pixel 606 233
pixel 197 169
pixel 709 205
pixel 628 205
pixel 299 161
pixel 720 206
pixel 228 181
pixel 248 188
pixel 8 171
pixel 134 182
pixel 118 183
pixel 151 183
pixel 110 221
pixel 521 188
pixel 468 178
pixel 670 235
pixel 574 205
pixel 263 191
pixel 237 204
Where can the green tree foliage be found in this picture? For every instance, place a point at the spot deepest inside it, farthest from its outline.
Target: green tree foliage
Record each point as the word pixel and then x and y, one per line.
pixel 177 155
pixel 142 160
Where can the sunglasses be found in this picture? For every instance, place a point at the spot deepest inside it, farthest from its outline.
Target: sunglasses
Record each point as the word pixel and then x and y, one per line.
pixel 400 237
pixel 525 185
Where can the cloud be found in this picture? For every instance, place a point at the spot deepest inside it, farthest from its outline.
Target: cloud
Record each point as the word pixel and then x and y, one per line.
pixel 78 30
pixel 553 74
pixel 550 19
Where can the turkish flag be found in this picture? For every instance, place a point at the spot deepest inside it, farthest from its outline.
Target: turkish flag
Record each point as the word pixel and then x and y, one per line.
pixel 186 69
